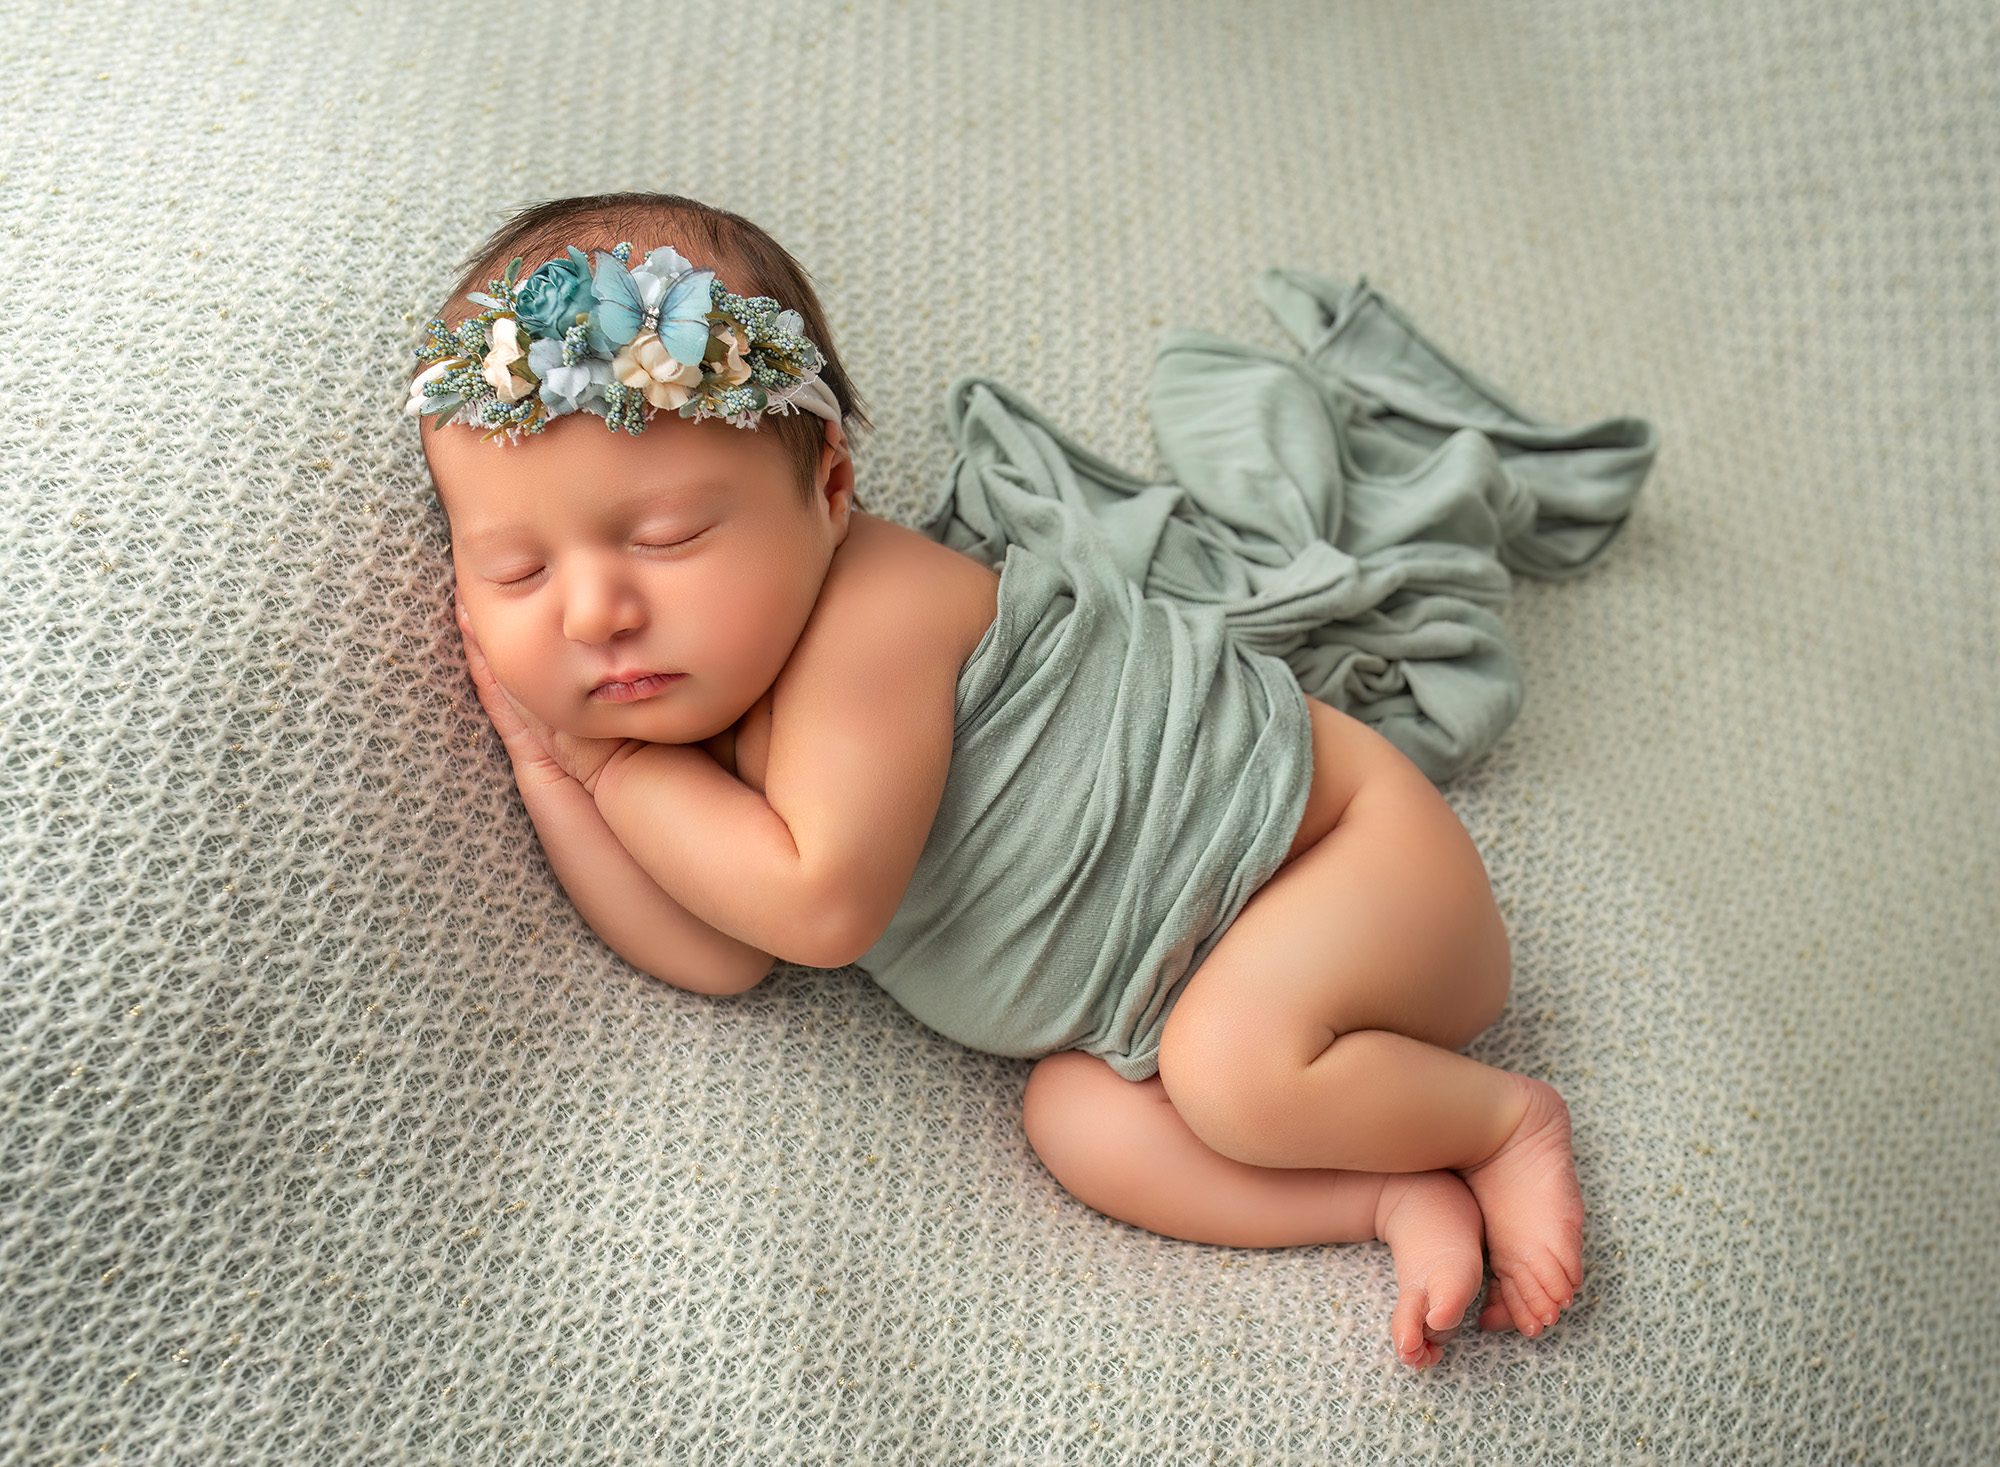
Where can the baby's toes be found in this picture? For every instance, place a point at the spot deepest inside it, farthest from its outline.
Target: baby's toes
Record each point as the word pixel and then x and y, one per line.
pixel 1571 1262
pixel 1406 1326
pixel 1532 1297
pixel 1540 1285
pixel 1559 1279
pixel 1546 1285
pixel 1526 1319
pixel 1451 1292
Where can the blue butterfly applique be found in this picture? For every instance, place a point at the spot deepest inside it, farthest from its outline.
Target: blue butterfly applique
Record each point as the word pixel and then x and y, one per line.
pixel 626 297
pixel 683 324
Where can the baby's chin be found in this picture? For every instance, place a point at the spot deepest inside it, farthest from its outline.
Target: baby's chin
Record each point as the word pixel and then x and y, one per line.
pixel 663 724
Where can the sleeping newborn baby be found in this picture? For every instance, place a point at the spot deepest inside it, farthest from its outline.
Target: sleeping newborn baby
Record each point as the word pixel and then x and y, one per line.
pixel 752 721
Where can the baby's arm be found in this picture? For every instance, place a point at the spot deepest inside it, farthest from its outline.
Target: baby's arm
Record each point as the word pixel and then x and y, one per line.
pixel 812 867
pixel 625 906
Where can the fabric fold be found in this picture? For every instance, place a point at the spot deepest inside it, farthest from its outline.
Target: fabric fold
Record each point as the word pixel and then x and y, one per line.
pixel 1355 510
pixel 1409 397
pixel 1125 771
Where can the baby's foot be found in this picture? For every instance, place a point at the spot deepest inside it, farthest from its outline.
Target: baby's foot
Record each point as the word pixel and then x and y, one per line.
pixel 1431 1225
pixel 1534 1216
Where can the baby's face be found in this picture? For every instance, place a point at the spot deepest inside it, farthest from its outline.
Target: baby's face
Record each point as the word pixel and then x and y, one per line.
pixel 646 586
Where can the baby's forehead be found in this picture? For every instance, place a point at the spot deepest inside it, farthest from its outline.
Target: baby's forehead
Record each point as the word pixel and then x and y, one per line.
pixel 578 472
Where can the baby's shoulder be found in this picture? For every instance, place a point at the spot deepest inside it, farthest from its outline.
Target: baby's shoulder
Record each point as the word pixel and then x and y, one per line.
pixel 896 618
pixel 903 594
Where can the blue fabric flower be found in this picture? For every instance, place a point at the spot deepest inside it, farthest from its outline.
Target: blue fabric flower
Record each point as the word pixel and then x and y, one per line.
pixel 566 389
pixel 550 299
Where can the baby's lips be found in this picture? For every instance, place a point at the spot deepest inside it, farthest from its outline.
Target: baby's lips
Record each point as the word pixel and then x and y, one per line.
pixel 639 686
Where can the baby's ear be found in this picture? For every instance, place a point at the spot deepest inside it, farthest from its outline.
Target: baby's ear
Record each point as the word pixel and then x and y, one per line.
pixel 836 439
pixel 836 474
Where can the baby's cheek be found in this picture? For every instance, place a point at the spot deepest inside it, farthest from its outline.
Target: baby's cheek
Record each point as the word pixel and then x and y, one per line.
pixel 734 637
pixel 524 670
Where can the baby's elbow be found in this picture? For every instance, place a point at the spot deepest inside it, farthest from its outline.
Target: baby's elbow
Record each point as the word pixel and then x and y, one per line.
pixel 831 949
pixel 834 936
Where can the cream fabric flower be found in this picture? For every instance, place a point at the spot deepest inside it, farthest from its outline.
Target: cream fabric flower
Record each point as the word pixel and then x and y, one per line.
pixel 505 351
pixel 645 363
pixel 735 370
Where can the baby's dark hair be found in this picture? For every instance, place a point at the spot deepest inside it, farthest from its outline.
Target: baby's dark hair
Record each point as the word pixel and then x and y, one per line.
pixel 748 259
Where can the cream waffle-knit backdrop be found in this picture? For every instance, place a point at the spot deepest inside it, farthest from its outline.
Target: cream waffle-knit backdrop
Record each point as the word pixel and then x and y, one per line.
pixel 331 1135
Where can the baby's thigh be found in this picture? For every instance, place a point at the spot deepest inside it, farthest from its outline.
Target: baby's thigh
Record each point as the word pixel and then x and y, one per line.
pixel 1385 921
pixel 1095 1131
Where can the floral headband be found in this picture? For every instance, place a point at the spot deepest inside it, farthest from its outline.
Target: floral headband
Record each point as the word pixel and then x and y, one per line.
pixel 618 342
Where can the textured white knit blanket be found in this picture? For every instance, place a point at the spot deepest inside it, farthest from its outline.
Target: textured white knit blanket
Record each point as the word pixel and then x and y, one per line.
pixel 332 1135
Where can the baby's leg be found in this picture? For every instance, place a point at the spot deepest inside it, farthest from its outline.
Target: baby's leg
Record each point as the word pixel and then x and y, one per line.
pixel 1123 1149
pixel 1319 1031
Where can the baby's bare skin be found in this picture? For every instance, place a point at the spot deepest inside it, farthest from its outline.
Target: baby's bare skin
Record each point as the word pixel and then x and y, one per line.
pixel 587 558
pixel 1320 1033
pixel 771 800
pixel 1122 1148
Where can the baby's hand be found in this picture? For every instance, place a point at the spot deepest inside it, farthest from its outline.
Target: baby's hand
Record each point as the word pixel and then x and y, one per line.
pixel 540 754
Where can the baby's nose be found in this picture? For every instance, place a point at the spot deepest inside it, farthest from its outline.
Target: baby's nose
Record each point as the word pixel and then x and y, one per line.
pixel 598 608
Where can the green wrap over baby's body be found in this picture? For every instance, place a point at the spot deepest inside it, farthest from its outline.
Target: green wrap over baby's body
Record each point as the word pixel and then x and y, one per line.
pixel 1123 777
pixel 1131 750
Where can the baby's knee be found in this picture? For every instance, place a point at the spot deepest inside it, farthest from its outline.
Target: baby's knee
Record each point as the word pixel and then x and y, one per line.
pixel 1470 966
pixel 1234 1097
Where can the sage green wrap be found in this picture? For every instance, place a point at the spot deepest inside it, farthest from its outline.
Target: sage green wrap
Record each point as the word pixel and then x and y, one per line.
pixel 1131 750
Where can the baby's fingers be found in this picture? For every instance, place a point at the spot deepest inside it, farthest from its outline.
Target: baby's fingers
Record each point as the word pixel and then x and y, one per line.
pixel 483 681
pixel 475 655
pixel 524 743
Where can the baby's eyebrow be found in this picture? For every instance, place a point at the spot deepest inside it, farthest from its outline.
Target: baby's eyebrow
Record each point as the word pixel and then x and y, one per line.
pixel 688 502
pixel 481 539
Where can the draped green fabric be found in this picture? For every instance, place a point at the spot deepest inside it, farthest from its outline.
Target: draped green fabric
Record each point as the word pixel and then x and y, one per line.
pixel 1131 751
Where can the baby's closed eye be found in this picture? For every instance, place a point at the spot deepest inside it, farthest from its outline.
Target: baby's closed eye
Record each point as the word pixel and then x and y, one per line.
pixel 512 576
